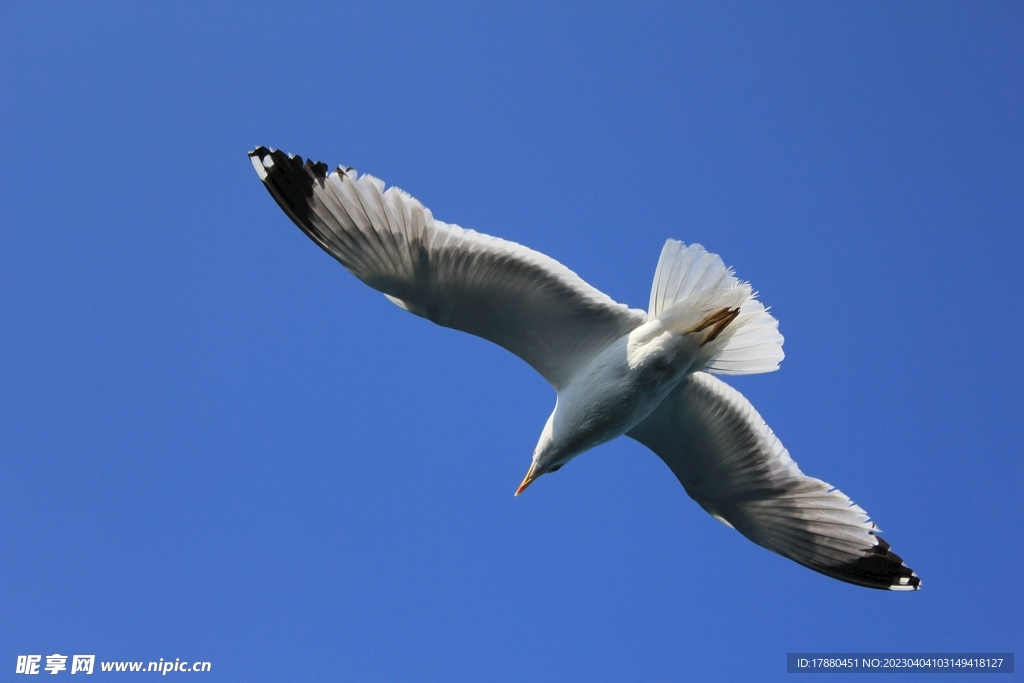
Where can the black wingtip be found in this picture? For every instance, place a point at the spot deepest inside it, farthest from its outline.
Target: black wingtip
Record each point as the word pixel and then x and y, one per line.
pixel 880 568
pixel 282 174
pixel 266 159
pixel 291 182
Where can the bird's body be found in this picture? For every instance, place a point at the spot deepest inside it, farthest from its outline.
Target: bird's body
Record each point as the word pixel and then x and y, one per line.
pixel 615 391
pixel 616 370
pixel 622 385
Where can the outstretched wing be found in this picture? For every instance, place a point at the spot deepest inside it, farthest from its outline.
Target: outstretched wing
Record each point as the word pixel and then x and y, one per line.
pixel 734 466
pixel 513 296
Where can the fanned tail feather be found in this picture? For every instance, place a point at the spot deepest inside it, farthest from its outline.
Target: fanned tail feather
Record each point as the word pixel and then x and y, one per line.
pixel 691 283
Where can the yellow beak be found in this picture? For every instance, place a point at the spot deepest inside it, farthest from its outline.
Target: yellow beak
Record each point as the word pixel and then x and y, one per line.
pixel 530 476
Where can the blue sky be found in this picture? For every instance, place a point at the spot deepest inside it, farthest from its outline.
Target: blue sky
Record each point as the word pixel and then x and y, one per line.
pixel 217 444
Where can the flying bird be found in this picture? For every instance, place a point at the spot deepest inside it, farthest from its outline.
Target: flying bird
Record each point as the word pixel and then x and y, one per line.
pixel 616 370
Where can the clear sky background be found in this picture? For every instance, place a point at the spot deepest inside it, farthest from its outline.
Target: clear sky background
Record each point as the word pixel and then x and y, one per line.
pixel 216 444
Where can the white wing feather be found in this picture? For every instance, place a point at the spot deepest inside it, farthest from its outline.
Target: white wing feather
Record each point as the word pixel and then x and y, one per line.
pixel 513 296
pixel 734 466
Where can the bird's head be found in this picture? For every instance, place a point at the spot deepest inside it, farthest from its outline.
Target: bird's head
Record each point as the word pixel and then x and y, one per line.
pixel 547 456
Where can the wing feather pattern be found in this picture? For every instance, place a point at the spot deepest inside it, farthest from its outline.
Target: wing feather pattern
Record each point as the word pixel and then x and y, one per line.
pixel 506 293
pixel 734 466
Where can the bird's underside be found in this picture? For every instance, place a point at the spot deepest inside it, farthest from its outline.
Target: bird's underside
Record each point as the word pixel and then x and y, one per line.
pixel 709 435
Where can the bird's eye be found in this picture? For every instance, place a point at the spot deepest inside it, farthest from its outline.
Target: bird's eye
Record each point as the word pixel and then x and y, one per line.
pixel 555 468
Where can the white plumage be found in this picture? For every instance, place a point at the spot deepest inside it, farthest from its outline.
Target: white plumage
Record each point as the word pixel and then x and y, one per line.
pixel 616 370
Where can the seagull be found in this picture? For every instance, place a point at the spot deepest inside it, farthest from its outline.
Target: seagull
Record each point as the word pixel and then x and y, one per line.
pixel 616 370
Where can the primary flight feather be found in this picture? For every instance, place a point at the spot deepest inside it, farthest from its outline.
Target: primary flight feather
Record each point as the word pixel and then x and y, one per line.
pixel 616 370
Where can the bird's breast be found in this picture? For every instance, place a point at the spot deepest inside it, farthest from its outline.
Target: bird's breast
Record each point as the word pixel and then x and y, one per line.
pixel 622 385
